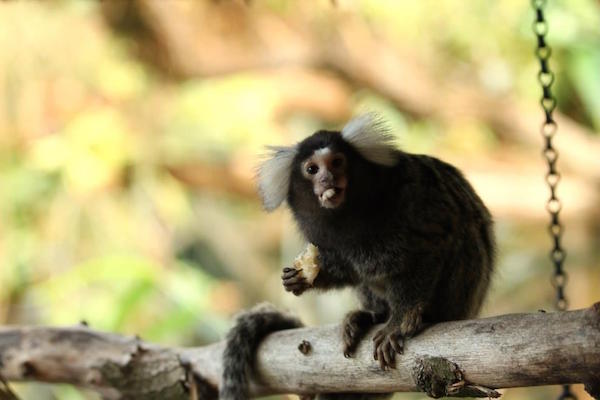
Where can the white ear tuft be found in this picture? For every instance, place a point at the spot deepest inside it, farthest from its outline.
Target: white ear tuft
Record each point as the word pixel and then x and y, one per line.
pixel 371 137
pixel 274 176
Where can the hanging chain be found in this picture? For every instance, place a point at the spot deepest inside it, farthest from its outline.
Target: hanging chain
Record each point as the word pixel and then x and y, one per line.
pixel 548 130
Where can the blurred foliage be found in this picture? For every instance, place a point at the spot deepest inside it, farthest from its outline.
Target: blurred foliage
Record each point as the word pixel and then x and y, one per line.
pixel 95 226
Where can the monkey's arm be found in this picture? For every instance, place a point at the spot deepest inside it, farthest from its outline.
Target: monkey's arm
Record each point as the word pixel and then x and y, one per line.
pixel 333 272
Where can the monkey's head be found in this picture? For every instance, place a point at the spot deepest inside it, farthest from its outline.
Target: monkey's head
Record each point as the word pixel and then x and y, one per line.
pixel 321 170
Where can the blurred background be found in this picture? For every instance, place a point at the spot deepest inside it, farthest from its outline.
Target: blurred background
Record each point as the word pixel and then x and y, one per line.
pixel 130 132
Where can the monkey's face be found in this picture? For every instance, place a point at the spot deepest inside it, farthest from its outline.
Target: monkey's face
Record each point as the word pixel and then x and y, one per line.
pixel 326 169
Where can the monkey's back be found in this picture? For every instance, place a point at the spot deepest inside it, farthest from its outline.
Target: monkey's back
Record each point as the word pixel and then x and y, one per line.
pixel 466 239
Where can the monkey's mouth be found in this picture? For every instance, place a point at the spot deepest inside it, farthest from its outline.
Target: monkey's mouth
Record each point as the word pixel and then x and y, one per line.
pixel 332 197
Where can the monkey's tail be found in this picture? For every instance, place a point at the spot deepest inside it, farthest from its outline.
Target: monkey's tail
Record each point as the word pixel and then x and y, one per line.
pixel 241 343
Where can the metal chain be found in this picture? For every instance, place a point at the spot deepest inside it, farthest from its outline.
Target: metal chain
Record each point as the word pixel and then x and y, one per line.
pixel 548 130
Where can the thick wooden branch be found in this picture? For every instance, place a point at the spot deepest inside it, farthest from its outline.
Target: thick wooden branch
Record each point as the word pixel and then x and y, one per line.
pixel 499 352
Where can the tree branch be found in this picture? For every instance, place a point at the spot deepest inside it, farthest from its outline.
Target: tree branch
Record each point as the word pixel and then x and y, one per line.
pixel 499 352
pixel 191 44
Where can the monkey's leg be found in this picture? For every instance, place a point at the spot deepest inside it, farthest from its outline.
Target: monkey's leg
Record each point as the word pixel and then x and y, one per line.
pixel 408 296
pixel 355 326
pixel 357 323
pixel 389 340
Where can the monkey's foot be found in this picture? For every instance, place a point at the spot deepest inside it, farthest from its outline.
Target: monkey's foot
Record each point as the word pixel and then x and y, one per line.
pixel 388 341
pixel 294 281
pixel 356 324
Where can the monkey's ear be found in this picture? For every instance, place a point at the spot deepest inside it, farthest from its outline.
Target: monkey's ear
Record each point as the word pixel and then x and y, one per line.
pixel 274 176
pixel 371 137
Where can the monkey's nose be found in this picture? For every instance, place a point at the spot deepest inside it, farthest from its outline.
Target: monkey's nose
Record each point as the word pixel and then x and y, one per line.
pixel 326 179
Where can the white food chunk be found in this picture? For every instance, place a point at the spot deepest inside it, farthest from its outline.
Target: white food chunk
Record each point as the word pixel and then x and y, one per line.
pixel 307 262
pixel 329 193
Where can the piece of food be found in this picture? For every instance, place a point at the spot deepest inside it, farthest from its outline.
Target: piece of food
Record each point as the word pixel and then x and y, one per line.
pixel 307 262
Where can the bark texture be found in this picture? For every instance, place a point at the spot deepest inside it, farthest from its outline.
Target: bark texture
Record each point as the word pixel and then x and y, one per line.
pixel 505 351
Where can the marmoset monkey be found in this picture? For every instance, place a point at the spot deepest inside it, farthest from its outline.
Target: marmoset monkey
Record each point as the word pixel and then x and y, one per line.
pixel 407 231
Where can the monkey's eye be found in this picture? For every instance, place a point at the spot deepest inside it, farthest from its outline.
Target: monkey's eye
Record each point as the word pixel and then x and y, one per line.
pixel 312 169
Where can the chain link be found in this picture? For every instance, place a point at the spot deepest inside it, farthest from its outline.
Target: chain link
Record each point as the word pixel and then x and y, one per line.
pixel 548 131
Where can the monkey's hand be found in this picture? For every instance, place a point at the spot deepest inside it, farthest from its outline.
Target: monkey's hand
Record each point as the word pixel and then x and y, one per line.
pixel 306 268
pixel 389 340
pixel 294 281
pixel 308 263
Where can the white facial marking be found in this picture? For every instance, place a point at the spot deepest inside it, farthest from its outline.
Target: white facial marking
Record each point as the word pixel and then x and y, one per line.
pixel 323 152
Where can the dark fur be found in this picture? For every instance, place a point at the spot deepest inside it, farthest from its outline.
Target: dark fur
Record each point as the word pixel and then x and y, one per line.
pixel 414 239
pixel 243 339
pixel 413 233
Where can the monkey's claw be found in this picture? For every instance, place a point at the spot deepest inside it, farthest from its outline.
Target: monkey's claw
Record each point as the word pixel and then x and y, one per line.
pixel 355 326
pixel 294 281
pixel 388 342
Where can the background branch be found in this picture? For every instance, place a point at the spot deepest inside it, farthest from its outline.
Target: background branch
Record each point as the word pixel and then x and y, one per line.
pixel 350 48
